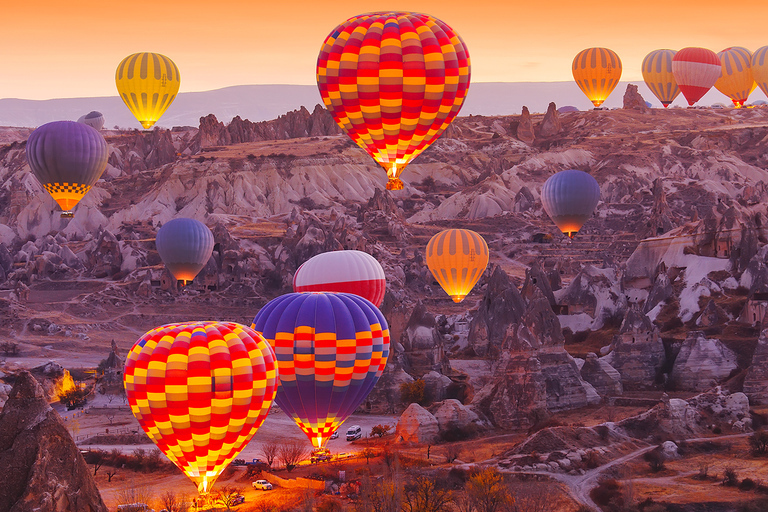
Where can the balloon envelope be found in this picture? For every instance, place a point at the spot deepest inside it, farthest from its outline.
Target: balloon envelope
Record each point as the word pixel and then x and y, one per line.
pixel 185 246
pixel 657 73
pixel 393 81
pixel 760 68
pixel 93 119
pixel 331 349
pixel 342 271
pixel 67 158
pixel 148 84
pixel 569 198
pixel 597 72
pixel 200 390
pixel 736 79
pixel 696 70
pixel 457 258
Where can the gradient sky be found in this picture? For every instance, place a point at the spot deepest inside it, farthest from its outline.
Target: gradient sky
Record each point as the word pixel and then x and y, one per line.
pixel 55 49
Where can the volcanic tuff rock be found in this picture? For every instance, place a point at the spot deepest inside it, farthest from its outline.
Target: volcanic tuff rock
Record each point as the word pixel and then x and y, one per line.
pixel 662 219
pixel 551 124
pixel 604 378
pixel 634 100
pixel 423 345
pixel 525 131
pixel 43 470
pixel 712 315
pixel 597 292
pixel 700 362
pixel 637 351
pixel 501 307
pixel 417 425
pixel 453 414
pixel 756 381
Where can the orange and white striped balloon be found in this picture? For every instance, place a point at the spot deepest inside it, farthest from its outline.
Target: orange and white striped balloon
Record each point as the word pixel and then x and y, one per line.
pixel 736 79
pixel 457 258
pixel 597 72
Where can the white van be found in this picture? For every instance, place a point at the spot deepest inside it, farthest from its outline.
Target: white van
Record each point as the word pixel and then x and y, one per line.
pixel 354 432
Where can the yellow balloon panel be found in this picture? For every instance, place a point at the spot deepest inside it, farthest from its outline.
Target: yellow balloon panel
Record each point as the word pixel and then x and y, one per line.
pixel 148 84
pixel 736 80
pixel 457 258
pixel 657 73
pixel 597 72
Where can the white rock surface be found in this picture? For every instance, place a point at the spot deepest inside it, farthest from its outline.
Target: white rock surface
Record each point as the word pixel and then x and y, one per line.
pixel 417 425
pixel 452 413
pixel 700 362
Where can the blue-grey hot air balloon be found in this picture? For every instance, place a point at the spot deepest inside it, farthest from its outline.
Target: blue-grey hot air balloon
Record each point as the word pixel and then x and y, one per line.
pixel 569 198
pixel 185 246
pixel 93 119
pixel 67 158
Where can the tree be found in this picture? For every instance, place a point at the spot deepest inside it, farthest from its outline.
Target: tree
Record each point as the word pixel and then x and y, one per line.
pixel 368 453
pixel 269 451
pixel 412 392
pixel 228 496
pixel 73 397
pixel 487 491
pixel 532 497
pixel 452 452
pixel 655 459
pixel 110 473
pixel 759 442
pixel 424 495
pixel 380 430
pixel 291 453
pixel 9 348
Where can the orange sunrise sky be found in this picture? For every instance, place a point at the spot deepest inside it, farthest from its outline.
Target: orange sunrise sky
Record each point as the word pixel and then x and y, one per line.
pixel 55 49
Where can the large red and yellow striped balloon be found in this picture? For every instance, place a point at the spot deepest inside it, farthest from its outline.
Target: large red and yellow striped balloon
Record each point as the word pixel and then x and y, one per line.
pixel 597 72
pixel 736 80
pixel 657 73
pixel 457 258
pixel 393 81
pixel 200 390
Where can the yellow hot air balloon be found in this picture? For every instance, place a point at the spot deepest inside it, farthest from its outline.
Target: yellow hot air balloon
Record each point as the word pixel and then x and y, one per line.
pixel 760 68
pixel 148 83
pixel 657 73
pixel 597 72
pixel 457 259
pixel 736 80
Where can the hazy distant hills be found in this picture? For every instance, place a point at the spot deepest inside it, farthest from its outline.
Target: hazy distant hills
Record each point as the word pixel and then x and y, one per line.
pixel 263 102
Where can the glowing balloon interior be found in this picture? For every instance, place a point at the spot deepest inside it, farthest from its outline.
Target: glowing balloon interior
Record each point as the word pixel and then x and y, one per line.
pixel 148 84
pixel 393 81
pixel 331 349
pixel 457 258
pixel 200 391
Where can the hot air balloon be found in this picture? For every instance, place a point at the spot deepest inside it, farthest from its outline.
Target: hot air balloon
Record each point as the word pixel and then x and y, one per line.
pixel 760 68
pixel 696 70
pixel 736 79
pixel 67 158
pixel 342 271
pixel 597 72
pixel 331 349
pixel 185 246
pixel 657 73
pixel 393 81
pixel 569 198
pixel 93 119
pixel 148 83
pixel 457 258
pixel 200 390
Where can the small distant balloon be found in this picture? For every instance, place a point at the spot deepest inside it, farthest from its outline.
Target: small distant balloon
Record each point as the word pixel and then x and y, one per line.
pixel 569 198
pixel 696 70
pixel 567 108
pixel 597 72
pixel 736 80
pixel 148 84
pixel 185 246
pixel 658 76
pixel 760 68
pixel 67 158
pixel 93 119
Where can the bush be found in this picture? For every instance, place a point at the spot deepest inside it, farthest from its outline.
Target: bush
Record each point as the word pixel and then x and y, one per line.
pixel 759 442
pixel 717 430
pixel 380 430
pixel 412 392
pixel 747 484
pixel 607 492
pixel 655 459
pixel 730 477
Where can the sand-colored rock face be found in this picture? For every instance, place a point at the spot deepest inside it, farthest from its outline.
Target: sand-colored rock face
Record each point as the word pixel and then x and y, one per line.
pixel 42 468
pixel 453 414
pixel 701 362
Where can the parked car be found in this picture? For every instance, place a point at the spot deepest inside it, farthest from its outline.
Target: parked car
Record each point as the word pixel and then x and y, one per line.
pixel 354 432
pixel 262 484
pixel 335 434
pixel 237 499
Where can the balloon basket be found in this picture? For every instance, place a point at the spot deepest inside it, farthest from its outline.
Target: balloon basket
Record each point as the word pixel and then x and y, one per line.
pixel 395 184
pixel 67 214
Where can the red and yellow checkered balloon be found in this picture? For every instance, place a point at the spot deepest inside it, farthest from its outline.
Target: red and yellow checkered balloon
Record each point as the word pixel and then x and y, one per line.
pixel 393 81
pixel 200 391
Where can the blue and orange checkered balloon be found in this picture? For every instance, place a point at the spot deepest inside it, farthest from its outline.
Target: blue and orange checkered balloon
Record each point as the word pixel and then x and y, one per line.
pixel 393 81
pixel 200 391
pixel 331 349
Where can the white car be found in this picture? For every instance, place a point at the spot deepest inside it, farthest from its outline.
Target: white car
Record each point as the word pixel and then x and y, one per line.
pixel 335 434
pixel 354 432
pixel 263 485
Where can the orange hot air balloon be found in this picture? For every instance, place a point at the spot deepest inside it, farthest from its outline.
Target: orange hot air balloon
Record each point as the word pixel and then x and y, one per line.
pixel 736 80
pixel 597 72
pixel 457 258
pixel 657 73
pixel 200 391
pixel 393 81
pixel 760 68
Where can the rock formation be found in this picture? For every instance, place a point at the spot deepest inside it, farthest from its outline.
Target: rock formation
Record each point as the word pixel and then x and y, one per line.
pixel 637 351
pixel 701 362
pixel 661 219
pixel 596 292
pixel 550 125
pixel 756 381
pixel 712 315
pixel 525 131
pixel 451 414
pixel 604 378
pixel 633 99
pixel 417 425
pixel 43 469
pixel 501 307
pixel 423 345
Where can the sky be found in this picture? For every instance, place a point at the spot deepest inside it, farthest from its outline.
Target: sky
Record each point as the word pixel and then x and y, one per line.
pixel 55 49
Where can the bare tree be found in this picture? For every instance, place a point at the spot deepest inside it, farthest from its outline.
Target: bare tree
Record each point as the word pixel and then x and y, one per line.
pixel 290 453
pixel 452 452
pixel 532 497
pixel 110 473
pixel 228 496
pixel 424 495
pixel 9 348
pixel 269 451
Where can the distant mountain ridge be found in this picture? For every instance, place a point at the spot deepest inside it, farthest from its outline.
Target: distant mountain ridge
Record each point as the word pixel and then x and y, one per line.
pixel 265 102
